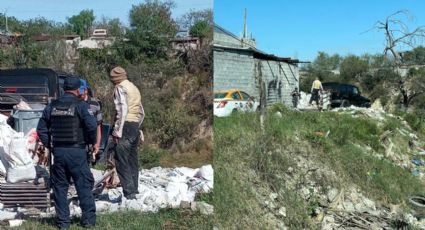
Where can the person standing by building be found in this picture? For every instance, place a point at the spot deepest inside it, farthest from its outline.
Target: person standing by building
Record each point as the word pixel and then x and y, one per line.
pixel 67 127
pixel 126 134
pixel 316 88
pixel 96 109
pixel 295 97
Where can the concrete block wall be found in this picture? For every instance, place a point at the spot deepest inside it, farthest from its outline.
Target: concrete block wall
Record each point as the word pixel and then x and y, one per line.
pixel 281 78
pixel 223 39
pixel 234 69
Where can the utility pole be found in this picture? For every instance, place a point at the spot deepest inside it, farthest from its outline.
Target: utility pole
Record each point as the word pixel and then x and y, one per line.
pixel 7 28
pixel 244 26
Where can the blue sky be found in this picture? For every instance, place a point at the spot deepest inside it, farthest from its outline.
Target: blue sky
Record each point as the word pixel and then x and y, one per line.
pixel 59 10
pixel 302 28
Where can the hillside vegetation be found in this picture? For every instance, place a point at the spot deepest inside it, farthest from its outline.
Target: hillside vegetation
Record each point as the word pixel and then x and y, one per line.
pixel 175 85
pixel 311 170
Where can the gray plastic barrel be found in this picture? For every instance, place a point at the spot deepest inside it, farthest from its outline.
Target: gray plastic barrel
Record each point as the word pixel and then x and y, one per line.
pixel 25 120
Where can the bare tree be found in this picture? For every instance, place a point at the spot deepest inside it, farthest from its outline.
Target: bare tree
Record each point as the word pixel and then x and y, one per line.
pixel 397 33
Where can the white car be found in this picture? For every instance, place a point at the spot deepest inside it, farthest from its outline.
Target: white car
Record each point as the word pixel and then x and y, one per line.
pixel 228 101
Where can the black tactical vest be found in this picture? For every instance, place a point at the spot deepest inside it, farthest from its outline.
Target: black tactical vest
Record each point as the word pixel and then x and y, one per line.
pixel 66 127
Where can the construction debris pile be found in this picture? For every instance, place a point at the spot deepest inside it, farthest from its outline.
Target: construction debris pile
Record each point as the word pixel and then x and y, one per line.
pixel 304 101
pixel 158 187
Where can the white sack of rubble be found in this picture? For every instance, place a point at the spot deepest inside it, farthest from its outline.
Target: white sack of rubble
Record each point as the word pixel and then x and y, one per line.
pixel 206 172
pixel 21 166
pixel 5 140
pixel 160 188
pixel 16 160
pixel 6 215
pixel 20 173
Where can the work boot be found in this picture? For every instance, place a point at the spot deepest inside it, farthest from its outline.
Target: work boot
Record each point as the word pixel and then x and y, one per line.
pixel 131 197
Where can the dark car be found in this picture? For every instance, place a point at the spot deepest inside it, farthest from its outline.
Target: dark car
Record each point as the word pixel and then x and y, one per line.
pixel 344 95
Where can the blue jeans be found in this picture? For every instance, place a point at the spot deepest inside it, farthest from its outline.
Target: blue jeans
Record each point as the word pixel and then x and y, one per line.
pixel 72 163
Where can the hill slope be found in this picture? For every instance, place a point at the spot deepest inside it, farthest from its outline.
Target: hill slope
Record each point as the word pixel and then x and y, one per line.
pixel 311 170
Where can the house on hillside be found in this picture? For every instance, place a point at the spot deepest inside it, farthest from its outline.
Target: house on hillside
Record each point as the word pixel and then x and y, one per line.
pixel 7 38
pixel 98 40
pixel 184 42
pixel 239 64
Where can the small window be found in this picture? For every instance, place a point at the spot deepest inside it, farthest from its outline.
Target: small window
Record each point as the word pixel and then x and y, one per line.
pixel 355 91
pixel 245 96
pixel 220 95
pixel 236 96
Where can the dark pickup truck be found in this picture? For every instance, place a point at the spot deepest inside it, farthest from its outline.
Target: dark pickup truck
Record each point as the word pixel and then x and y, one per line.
pixel 34 86
pixel 37 87
pixel 344 95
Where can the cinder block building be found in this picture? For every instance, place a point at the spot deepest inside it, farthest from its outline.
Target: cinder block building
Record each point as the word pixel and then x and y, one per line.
pixel 238 64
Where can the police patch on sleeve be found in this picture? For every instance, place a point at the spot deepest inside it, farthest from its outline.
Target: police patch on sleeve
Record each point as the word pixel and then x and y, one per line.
pixel 91 112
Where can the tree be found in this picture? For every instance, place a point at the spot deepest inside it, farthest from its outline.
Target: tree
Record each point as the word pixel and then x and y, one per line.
pixel 324 61
pixel 152 26
pixel 114 26
pixel 415 57
pixel 397 34
pixel 201 29
pixel 353 68
pixel 82 23
pixel 323 67
pixel 189 19
pixel 13 24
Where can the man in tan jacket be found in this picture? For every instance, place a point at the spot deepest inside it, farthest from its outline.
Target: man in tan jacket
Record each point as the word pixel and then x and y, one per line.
pixel 126 134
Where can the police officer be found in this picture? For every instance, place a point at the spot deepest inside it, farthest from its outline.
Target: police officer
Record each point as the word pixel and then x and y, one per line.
pixel 67 127
pixel 95 108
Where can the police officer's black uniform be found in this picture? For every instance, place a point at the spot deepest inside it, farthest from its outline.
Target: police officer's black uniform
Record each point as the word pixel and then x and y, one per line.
pixel 67 127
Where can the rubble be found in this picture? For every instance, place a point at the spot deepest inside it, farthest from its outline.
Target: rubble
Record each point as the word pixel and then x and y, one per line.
pixel 158 188
pixel 303 103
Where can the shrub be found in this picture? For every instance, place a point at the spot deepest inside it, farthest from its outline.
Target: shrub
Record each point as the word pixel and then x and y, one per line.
pixel 150 157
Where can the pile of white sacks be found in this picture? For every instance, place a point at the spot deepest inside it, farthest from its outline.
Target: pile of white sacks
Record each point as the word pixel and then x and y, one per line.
pixel 158 188
pixel 16 163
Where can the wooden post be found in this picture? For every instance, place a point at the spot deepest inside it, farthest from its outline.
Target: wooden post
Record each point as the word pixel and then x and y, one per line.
pixel 263 99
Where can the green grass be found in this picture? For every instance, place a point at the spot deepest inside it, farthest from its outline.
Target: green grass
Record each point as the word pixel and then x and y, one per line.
pixel 164 219
pixel 247 162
